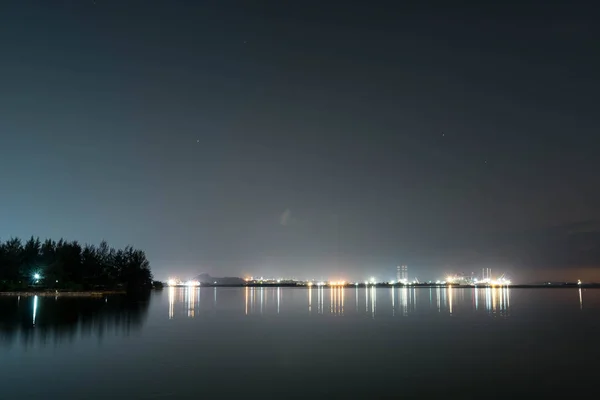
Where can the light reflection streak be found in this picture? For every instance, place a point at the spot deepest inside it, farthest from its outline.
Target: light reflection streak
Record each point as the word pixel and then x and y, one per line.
pixel 337 300
pixel 321 299
pixel 35 304
pixel 414 303
pixel 373 300
pixel 191 301
pixel 262 296
pixel 331 297
pixel 404 301
pixel 171 301
pixel 430 297
pixel 580 300
pixel 278 298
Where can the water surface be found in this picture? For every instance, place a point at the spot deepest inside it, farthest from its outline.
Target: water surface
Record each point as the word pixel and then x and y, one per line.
pixel 313 343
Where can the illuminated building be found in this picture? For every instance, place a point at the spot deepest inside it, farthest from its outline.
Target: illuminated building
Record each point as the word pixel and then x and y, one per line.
pixel 402 273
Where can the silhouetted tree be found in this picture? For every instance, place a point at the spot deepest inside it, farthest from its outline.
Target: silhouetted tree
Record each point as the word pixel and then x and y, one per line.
pixel 65 264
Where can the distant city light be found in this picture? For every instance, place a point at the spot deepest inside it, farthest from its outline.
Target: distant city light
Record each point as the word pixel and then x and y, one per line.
pixel 579 281
pixel 192 283
pixel 36 276
pixel 172 282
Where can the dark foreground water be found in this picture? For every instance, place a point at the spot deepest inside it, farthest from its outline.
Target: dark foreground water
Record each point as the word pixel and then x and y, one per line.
pixel 291 343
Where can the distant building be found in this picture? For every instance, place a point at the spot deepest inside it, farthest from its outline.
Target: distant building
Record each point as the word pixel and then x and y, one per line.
pixel 402 273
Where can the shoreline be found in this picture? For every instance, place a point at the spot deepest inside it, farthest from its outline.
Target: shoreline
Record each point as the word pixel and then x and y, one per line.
pixel 58 293
pixel 101 293
pixel 415 286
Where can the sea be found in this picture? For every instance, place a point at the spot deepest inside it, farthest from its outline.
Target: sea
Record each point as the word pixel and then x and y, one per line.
pixel 319 342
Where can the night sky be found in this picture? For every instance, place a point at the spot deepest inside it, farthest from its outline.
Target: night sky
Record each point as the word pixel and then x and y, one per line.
pixel 308 140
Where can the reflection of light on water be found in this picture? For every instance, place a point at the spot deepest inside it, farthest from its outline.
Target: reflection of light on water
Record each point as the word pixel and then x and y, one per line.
pixel 191 301
pixel 331 296
pixel 262 297
pixel 337 300
pixel 580 300
pixel 373 300
pixel 404 301
pixel 414 299
pixel 497 300
pixel 35 303
pixel 171 301
pixel 320 299
pixel 278 298
pixel 430 297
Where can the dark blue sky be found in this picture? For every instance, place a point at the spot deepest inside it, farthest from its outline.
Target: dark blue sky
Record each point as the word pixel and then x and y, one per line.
pixel 298 139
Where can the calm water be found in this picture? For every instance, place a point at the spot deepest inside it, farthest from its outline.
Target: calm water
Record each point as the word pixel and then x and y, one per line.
pixel 287 342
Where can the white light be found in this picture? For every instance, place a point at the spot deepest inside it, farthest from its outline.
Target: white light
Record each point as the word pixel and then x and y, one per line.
pixel 392 282
pixel 171 282
pixel 579 281
pixel 36 276
pixel 192 283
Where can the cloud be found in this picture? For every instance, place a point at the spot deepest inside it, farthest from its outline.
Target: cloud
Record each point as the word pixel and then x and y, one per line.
pixel 285 218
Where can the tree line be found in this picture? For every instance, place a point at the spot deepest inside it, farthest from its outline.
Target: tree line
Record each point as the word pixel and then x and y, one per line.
pixel 70 265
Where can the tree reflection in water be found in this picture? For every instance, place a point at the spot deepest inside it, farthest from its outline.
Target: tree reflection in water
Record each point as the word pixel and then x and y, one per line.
pixel 47 319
